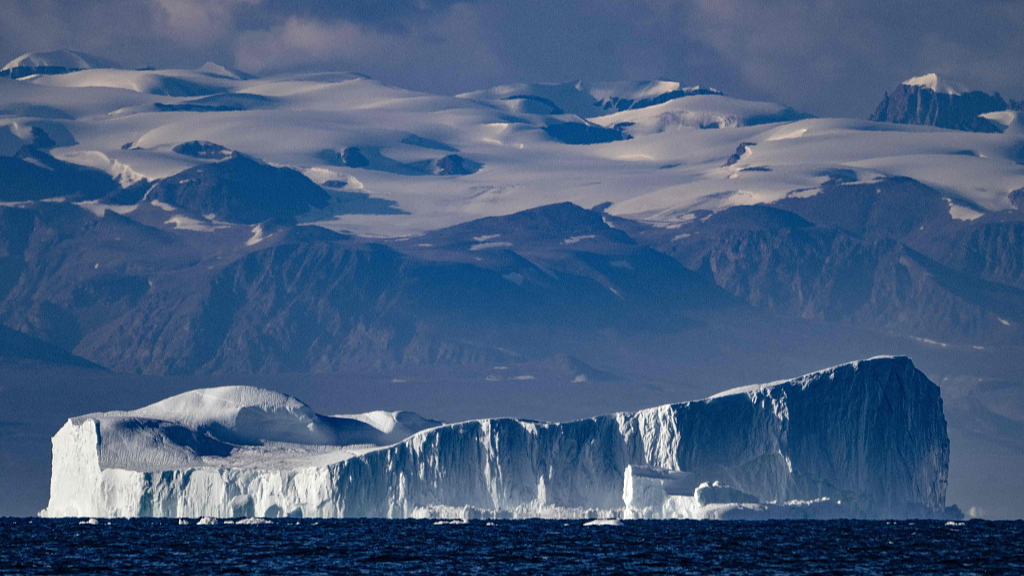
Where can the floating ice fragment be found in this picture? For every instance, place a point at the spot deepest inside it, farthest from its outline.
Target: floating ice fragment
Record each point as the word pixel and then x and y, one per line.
pixel 604 522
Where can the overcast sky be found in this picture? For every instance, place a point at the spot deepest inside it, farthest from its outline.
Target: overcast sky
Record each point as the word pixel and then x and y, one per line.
pixel 828 57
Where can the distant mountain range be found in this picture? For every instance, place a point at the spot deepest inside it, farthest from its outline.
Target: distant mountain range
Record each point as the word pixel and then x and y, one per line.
pixel 204 221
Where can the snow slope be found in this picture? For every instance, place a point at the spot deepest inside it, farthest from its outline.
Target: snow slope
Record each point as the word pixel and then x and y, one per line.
pixel 702 111
pixel 56 61
pixel 583 99
pixel 866 439
pixel 129 123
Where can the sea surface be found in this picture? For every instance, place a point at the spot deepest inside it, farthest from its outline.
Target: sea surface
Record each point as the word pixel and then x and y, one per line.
pixel 34 546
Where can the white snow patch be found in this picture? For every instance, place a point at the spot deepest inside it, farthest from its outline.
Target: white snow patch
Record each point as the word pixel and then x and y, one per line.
pixel 490 245
pixel 959 211
pixel 163 205
pixel 806 193
pixel 931 342
pixel 249 522
pixel 936 84
pixel 99 209
pixel 574 239
pixel 257 235
pixel 120 171
pixel 194 225
pixel 787 133
pixel 1007 118
pixel 515 278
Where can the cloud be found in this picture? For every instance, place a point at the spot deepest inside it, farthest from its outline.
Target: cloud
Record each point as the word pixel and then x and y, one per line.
pixel 839 56
pixel 446 53
pixel 197 22
pixel 824 56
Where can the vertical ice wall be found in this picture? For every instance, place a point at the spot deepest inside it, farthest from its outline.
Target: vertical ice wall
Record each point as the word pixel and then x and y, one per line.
pixel 866 439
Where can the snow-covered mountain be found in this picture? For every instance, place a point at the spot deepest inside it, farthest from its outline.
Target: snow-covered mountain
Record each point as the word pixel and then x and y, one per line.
pixel 54 62
pixel 583 99
pixel 866 440
pixel 217 177
pixel 655 151
pixel 933 101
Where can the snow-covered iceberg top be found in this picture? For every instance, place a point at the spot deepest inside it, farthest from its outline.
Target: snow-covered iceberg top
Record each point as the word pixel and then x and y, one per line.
pixel 239 426
pixel 866 439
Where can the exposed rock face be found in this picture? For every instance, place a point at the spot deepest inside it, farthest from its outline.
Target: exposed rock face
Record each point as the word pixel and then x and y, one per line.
pixel 588 100
pixel 620 103
pixel 33 174
pixel 865 440
pixel 886 254
pixel 373 159
pixel 241 189
pixel 282 298
pixel 454 165
pixel 353 158
pixel 990 250
pixel 150 299
pixel 577 132
pixel 202 150
pixel 929 105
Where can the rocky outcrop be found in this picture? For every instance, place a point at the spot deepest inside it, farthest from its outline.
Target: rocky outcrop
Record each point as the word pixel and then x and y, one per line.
pixel 240 189
pixel 924 101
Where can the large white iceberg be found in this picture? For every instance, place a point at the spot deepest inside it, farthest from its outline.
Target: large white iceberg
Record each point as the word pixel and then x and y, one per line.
pixel 865 440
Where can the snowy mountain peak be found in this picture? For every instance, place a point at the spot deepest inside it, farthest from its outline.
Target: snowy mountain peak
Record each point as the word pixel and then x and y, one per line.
pixel 588 100
pixel 936 84
pixel 933 101
pixel 214 69
pixel 53 62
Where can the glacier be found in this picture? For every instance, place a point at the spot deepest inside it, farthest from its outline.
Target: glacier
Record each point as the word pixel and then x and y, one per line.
pixel 861 440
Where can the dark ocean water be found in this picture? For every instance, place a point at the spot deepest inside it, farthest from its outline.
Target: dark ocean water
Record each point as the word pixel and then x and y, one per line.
pixel 510 547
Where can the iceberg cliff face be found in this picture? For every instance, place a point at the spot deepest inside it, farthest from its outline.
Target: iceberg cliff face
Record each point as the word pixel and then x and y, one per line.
pixel 866 439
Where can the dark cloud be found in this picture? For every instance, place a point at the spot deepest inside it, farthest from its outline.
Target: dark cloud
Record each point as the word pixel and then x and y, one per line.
pixel 825 56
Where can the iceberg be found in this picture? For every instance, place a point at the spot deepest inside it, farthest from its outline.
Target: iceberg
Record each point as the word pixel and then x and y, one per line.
pixel 861 440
